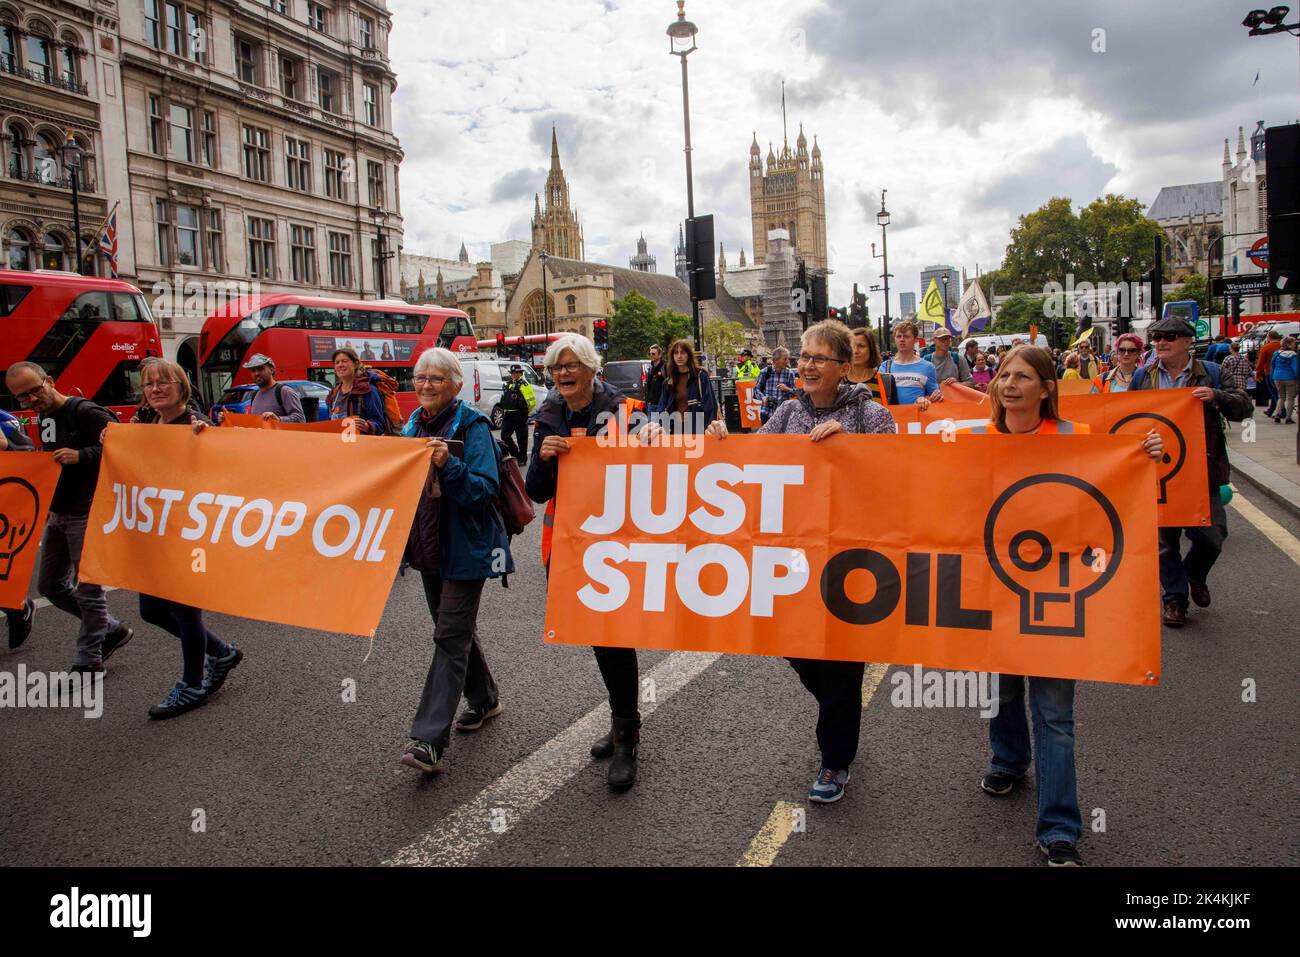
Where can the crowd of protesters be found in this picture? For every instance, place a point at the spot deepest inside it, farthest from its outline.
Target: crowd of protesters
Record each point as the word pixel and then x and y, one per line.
pixel 839 383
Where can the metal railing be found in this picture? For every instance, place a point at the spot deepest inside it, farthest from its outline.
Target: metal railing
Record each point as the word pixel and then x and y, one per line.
pixel 62 81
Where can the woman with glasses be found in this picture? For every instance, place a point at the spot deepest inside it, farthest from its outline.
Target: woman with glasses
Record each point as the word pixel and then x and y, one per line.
pixel 581 405
pixel 1125 355
pixel 206 659
pixel 458 540
pixel 824 406
pixel 687 404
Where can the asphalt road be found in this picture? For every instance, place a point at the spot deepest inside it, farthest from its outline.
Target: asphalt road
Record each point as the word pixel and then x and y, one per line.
pixel 287 772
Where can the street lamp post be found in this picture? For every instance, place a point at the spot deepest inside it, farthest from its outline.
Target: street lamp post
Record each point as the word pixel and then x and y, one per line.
pixel 72 151
pixel 945 297
pixel 681 43
pixel 383 255
pixel 882 218
pixel 546 299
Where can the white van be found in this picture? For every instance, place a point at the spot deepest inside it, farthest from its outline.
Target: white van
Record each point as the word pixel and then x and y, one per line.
pixel 484 377
pixel 992 343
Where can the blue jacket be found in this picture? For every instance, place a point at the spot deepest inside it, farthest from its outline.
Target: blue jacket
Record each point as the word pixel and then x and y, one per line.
pixel 1286 366
pixel 701 408
pixel 470 529
pixel 551 418
pixel 364 401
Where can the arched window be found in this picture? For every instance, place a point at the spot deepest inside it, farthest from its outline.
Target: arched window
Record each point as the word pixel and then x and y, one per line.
pixel 8 48
pixel 533 315
pixel 55 253
pixel 1262 214
pixel 40 56
pixel 88 176
pixel 45 159
pixel 16 151
pixel 571 303
pixel 20 249
pixel 473 314
pixel 70 61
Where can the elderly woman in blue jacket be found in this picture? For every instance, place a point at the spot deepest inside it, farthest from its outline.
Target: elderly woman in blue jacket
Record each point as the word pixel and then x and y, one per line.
pixel 458 541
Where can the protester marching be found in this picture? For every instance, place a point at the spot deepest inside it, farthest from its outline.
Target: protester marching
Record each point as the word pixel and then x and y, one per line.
pixel 457 531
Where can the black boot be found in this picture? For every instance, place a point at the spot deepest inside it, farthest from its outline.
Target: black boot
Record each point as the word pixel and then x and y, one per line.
pixel 626 733
pixel 604 747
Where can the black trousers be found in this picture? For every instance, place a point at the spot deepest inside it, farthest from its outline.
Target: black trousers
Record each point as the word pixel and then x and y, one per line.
pixel 837 686
pixel 619 670
pixel 514 434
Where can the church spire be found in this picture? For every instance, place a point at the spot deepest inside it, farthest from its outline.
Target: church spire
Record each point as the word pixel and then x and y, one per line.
pixel 555 151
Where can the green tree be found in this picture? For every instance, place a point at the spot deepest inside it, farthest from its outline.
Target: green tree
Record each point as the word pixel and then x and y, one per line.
pixel 636 326
pixel 722 339
pixel 1017 314
pixel 1107 237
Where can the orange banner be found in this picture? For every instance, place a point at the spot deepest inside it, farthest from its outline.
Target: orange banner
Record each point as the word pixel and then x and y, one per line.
pixel 243 420
pixel 1074 386
pixel 304 530
pixel 750 403
pixel 773 545
pixel 27 481
pixel 1182 476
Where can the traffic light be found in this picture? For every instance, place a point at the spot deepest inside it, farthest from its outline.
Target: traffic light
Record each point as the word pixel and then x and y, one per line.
pixel 858 314
pixel 600 333
pixel 501 341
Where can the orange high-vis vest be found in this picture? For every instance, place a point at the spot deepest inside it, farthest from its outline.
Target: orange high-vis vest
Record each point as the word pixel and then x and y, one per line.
pixel 615 426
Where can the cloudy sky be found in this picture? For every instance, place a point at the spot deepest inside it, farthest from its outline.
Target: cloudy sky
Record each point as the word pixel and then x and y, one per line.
pixel 969 113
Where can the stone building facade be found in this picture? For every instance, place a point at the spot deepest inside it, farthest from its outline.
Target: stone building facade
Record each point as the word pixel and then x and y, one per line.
pixel 790 194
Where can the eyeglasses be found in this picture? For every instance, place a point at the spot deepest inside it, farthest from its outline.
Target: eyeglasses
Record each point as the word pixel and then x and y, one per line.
pixel 819 361
pixel 1128 352
pixel 430 379
pixel 31 394
pixel 569 367
pixel 1165 337
pixel 161 384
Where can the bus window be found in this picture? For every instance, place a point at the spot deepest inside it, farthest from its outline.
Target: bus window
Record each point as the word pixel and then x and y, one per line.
pixel 316 317
pixel 125 307
pixel 465 328
pixel 11 296
pixel 121 386
pixel 448 334
pixel 88 307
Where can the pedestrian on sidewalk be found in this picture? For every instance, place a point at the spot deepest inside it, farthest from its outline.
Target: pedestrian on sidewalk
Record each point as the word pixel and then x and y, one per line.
pixel 206 659
pixel 1264 365
pixel 457 542
pixel 73 426
pixel 1175 367
pixel 1285 371
pixel 1236 368
pixel 1023 399
pixel 825 406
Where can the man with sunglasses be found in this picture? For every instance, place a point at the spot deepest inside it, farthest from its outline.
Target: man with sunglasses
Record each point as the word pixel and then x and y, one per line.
pixel 70 428
pixel 1175 367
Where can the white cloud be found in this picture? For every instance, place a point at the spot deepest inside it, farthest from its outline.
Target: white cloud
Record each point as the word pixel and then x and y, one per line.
pixel 958 124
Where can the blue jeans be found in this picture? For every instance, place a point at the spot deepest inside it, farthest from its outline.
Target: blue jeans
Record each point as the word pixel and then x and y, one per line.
pixel 1206 543
pixel 1051 703
pixel 1271 388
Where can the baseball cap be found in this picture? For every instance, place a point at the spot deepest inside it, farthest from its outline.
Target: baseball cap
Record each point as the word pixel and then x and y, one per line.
pixel 257 359
pixel 1173 324
pixel 942 333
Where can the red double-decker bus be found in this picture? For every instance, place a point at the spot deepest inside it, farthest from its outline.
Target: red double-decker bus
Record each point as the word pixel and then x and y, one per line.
pixel 89 334
pixel 300 333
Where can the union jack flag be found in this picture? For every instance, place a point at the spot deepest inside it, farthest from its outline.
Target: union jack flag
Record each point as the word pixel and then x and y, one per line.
pixel 108 242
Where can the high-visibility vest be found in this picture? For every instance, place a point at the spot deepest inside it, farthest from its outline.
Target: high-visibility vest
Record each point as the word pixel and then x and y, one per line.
pixel 1047 427
pixel 615 426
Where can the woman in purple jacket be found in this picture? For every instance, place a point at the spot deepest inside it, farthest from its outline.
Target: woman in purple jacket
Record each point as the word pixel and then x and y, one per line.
pixel 824 407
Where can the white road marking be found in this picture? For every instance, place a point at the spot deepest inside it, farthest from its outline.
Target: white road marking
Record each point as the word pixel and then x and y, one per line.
pixel 871 681
pixel 470 829
pixel 1271 530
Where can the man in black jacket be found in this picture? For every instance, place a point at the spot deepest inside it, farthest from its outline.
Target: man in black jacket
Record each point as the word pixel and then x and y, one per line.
pixel 654 379
pixel 1175 367
pixel 70 428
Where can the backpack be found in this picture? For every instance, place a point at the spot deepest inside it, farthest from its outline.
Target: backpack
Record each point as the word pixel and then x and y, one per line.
pixel 78 417
pixel 386 385
pixel 511 501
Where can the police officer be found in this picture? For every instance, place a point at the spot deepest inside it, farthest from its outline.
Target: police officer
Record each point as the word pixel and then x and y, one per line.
pixel 517 401
pixel 746 367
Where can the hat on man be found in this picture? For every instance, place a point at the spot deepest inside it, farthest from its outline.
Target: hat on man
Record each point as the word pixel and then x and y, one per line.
pixel 746 352
pixel 516 367
pixel 942 332
pixel 257 359
pixel 1173 324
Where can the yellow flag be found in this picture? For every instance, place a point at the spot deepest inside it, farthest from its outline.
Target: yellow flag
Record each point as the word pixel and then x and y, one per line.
pixel 1086 333
pixel 932 305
